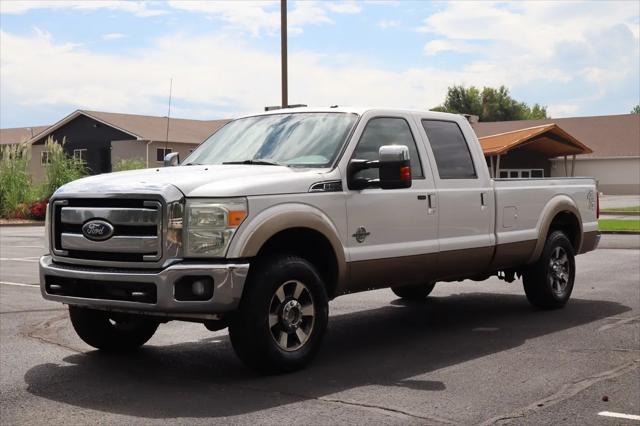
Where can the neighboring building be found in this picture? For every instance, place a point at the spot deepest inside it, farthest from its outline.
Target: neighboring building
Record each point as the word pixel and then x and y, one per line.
pixel 19 134
pixel 613 139
pixel 101 139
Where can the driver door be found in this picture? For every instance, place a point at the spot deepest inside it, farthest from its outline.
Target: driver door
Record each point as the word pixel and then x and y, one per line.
pixel 392 234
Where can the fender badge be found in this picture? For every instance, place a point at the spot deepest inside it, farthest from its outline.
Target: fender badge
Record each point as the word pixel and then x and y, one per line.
pixel 361 234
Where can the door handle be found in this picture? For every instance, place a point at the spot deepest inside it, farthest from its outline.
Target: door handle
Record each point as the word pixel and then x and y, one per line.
pixel 483 201
pixel 431 205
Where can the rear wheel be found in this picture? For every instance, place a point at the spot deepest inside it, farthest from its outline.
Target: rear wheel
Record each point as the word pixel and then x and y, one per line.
pixel 111 331
pixel 549 282
pixel 282 316
pixel 414 292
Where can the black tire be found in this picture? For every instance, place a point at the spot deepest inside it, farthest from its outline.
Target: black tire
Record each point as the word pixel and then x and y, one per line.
pixel 111 331
pixel 548 283
pixel 265 314
pixel 414 292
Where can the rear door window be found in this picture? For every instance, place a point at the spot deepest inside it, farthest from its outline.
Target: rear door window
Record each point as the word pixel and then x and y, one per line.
pixel 450 150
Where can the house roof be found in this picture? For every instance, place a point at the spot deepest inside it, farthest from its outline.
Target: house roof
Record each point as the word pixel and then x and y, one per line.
pixel 146 127
pixel 548 139
pixel 606 135
pixel 19 134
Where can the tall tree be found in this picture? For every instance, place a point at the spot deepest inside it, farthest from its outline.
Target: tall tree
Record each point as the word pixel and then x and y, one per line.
pixel 489 104
pixel 636 109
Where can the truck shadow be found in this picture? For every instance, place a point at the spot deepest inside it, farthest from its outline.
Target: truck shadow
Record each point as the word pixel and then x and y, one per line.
pixel 388 346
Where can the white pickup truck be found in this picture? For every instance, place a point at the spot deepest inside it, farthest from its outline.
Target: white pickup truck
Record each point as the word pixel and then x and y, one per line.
pixel 278 213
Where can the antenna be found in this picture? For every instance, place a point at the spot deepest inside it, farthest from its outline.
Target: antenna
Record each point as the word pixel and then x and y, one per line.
pixel 168 115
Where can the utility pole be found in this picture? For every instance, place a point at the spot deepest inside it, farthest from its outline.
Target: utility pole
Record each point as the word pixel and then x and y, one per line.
pixel 283 48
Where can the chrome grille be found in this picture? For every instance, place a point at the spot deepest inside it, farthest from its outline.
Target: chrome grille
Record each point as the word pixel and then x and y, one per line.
pixel 137 235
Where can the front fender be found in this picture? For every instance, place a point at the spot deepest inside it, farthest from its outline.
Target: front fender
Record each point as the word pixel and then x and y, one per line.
pixel 257 231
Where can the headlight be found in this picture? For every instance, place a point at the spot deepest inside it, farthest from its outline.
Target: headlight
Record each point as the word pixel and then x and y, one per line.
pixel 210 225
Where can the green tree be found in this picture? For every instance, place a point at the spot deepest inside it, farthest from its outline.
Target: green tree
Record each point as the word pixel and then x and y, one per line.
pixel 129 164
pixel 636 109
pixel 489 104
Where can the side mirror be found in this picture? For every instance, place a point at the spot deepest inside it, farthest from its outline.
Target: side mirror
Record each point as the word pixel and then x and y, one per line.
pixel 172 159
pixel 394 168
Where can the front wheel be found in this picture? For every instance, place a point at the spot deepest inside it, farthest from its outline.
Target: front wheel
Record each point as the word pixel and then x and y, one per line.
pixel 111 331
pixel 282 316
pixel 549 282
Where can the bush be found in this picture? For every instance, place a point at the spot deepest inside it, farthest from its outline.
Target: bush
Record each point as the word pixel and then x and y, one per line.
pixel 38 209
pixel 61 168
pixel 15 182
pixel 129 164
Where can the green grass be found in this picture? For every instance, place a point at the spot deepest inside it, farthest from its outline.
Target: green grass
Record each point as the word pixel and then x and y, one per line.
pixel 623 209
pixel 619 225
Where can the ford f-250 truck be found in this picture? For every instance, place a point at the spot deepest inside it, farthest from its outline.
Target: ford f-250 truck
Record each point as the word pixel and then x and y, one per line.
pixel 278 213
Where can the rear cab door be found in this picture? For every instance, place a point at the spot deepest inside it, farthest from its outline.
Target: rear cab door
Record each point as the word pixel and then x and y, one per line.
pixel 464 195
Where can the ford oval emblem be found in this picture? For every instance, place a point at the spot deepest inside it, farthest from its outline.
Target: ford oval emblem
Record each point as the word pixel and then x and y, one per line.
pixel 97 230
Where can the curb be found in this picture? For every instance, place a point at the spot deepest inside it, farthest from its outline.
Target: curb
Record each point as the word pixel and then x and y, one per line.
pixel 38 223
pixel 619 214
pixel 620 232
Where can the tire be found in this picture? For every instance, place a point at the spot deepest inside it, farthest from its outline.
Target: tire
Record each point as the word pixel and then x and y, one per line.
pixel 549 282
pixel 414 292
pixel 111 331
pixel 282 316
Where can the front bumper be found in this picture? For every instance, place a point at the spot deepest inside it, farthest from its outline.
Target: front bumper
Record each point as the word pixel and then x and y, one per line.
pixel 228 282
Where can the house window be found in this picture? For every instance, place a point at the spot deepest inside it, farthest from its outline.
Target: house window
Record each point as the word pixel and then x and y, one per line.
pixel 44 158
pixel 521 173
pixel 80 155
pixel 161 153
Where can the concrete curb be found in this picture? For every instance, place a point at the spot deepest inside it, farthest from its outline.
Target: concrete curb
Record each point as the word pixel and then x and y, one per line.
pixel 38 223
pixel 619 214
pixel 620 232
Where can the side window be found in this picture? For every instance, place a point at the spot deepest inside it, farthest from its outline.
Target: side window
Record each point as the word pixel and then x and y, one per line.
pixel 161 153
pixel 450 150
pixel 386 131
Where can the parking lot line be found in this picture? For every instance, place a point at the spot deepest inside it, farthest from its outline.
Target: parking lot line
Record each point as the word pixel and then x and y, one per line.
pixel 619 415
pixel 20 284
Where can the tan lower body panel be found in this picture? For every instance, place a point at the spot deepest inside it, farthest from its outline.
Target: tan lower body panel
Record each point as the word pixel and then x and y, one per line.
pixel 419 269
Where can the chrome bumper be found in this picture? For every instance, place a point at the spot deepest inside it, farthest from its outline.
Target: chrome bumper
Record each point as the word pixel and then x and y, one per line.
pixel 228 282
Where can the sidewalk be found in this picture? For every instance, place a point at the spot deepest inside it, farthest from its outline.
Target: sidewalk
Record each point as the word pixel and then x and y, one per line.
pixel 620 241
pixel 617 201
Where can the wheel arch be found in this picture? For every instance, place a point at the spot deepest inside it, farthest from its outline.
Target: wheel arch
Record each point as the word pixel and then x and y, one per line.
pixel 307 229
pixel 560 213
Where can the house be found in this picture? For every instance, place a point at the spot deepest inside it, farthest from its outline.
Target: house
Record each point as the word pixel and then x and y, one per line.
pixel 101 139
pixel 612 153
pixel 18 135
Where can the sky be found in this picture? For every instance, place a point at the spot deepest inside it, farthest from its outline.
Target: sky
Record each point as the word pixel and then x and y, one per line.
pixel 576 58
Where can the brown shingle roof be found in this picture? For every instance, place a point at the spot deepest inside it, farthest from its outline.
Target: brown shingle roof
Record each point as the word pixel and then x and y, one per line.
pixel 146 127
pixel 19 134
pixel 548 139
pixel 155 128
pixel 606 135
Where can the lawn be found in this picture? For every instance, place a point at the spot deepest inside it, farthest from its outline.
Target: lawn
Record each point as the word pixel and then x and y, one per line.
pixel 619 225
pixel 622 209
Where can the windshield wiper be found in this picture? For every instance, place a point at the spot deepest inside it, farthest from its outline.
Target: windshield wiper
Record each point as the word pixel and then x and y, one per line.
pixel 258 162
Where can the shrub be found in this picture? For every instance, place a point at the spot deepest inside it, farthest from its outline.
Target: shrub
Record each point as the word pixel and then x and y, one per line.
pixel 38 209
pixel 129 164
pixel 15 182
pixel 61 168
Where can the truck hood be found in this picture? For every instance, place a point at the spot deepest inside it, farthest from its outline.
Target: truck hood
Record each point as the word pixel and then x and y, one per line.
pixel 204 181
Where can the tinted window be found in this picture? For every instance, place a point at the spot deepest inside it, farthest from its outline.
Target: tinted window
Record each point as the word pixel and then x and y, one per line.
pixel 450 150
pixel 386 131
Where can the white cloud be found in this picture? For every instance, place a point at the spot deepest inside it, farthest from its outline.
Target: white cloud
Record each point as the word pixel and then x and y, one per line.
pixel 562 110
pixel 213 72
pixel 113 36
pixel 256 17
pixel 438 46
pixel 387 23
pixel 140 8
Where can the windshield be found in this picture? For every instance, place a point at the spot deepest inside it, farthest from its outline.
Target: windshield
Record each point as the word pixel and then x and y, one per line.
pixel 290 139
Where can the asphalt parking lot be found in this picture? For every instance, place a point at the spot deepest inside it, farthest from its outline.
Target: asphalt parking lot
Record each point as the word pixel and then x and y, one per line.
pixel 474 353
